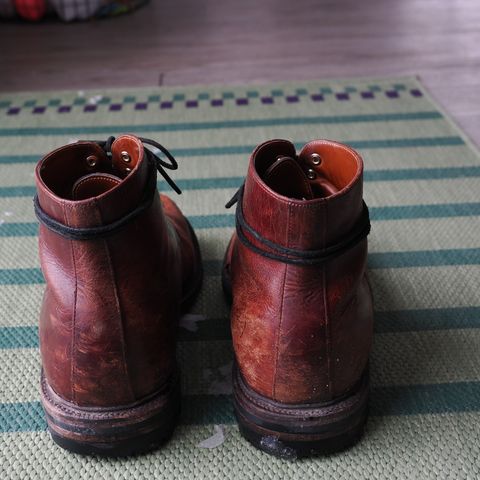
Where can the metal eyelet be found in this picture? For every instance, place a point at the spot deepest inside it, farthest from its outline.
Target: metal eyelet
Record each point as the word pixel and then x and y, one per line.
pixel 125 156
pixel 311 174
pixel 316 158
pixel 92 160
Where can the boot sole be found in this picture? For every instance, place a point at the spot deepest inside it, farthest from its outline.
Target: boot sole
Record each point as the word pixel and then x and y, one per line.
pixel 122 431
pixel 294 431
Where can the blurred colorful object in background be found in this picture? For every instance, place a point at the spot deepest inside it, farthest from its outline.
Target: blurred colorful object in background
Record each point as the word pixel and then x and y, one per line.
pixel 67 10
pixel 31 9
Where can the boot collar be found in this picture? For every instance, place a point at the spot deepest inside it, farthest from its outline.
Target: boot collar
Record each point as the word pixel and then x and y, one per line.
pixel 314 223
pixel 119 175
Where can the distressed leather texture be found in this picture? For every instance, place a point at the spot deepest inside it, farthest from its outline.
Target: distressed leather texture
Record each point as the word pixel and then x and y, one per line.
pixel 109 315
pixel 301 334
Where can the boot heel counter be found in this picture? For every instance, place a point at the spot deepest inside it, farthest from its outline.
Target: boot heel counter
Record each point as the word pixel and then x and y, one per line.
pixel 99 361
pixel 279 340
pixel 296 350
pixel 322 353
pixel 81 328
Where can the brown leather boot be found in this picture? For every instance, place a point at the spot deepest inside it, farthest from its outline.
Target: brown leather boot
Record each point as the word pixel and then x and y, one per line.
pixel 120 263
pixel 302 307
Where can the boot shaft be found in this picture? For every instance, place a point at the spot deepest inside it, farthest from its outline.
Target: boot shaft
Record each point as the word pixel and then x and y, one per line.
pixel 301 332
pixel 111 301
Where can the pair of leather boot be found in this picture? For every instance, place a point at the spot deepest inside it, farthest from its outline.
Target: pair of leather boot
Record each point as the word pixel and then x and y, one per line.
pixel 122 263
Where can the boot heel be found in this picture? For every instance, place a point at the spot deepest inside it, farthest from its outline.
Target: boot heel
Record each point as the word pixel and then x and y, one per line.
pixel 121 431
pixel 294 431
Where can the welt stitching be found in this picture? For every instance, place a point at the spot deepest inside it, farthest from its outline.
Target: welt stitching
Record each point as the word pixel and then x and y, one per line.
pixel 309 411
pixel 103 415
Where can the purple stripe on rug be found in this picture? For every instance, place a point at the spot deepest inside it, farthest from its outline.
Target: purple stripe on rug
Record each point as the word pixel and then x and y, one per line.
pixel 116 107
pixel 367 95
pixel 391 94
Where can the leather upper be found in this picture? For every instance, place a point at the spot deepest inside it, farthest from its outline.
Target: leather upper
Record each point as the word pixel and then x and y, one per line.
pixel 301 333
pixel 109 314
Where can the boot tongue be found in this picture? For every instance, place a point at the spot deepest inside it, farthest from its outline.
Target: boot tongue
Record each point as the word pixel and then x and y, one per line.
pixel 286 177
pixel 93 184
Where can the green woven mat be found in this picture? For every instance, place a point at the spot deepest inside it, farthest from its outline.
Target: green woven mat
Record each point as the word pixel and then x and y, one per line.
pixel 423 188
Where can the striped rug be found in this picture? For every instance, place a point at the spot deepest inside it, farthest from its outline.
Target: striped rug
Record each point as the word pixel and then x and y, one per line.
pixel 422 184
